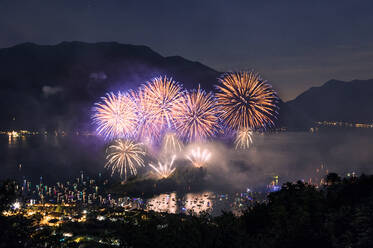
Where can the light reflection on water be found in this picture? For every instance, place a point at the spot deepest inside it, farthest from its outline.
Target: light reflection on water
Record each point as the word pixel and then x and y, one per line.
pixel 199 202
pixel 193 203
pixel 12 141
pixel 16 140
pixel 163 203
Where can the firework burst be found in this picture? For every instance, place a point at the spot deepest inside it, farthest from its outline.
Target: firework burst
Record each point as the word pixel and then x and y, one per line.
pixel 246 101
pixel 196 115
pixel 147 129
pixel 164 170
pixel 115 116
pixel 171 144
pixel 199 158
pixel 124 156
pixel 243 139
pixel 160 96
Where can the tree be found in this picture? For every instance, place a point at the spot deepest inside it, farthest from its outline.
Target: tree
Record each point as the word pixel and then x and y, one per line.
pixel 8 194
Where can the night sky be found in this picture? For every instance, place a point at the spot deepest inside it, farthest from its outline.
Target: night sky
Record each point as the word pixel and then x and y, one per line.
pixel 293 44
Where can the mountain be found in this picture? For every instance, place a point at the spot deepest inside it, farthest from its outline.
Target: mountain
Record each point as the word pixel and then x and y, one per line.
pixel 54 87
pixel 337 101
pixel 291 118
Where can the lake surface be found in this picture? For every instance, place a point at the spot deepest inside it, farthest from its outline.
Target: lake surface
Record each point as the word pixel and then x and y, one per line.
pixel 52 157
pixel 290 155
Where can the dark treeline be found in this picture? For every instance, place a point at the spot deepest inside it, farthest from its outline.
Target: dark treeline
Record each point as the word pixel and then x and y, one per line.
pixel 339 214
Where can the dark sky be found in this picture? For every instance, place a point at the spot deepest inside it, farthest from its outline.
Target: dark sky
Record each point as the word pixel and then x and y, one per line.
pixel 293 44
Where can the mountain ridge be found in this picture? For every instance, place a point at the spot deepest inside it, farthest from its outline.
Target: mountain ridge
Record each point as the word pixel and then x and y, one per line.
pixel 348 101
pixel 55 86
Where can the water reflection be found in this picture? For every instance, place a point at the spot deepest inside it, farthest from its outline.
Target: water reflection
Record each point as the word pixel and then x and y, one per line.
pixel 191 203
pixel 163 203
pixel 13 139
pixel 16 139
pixel 199 202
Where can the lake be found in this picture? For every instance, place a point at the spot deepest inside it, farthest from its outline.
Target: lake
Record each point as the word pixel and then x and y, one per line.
pixel 289 155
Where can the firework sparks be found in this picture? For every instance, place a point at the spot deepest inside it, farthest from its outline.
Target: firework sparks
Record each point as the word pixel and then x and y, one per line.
pixel 246 101
pixel 171 144
pixel 199 158
pixel 196 115
pixel 148 130
pixel 115 116
pixel 244 139
pixel 164 170
pixel 124 156
pixel 160 97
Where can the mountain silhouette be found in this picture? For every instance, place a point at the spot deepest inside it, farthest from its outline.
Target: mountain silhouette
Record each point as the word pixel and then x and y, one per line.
pixel 337 101
pixel 55 86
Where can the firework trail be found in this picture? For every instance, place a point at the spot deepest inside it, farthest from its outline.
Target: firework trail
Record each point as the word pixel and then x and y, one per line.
pixel 243 139
pixel 164 170
pixel 246 101
pixel 115 116
pixel 124 156
pixel 171 144
pixel 196 115
pixel 199 158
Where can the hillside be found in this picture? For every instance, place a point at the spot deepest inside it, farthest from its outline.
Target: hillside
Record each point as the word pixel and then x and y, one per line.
pixel 337 101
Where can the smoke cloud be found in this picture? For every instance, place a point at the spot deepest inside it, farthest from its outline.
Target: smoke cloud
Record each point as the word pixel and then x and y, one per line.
pixel 98 76
pixel 290 155
pixel 51 90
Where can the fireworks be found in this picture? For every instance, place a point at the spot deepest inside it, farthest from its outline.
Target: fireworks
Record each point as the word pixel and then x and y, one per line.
pixel 115 116
pixel 199 158
pixel 243 139
pixel 246 101
pixel 124 156
pixel 196 115
pixel 160 96
pixel 164 170
pixel 148 130
pixel 171 144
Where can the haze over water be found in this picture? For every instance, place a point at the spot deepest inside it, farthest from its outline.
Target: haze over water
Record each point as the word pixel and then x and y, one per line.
pixel 291 155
